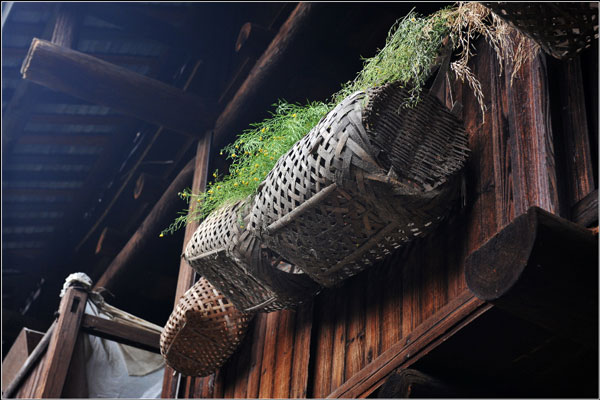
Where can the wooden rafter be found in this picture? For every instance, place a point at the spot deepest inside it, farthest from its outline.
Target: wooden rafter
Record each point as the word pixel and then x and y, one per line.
pixel 125 91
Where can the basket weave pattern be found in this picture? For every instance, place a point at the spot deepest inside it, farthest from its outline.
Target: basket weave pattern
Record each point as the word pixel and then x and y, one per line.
pixel 202 332
pixel 345 196
pixel 561 29
pixel 236 263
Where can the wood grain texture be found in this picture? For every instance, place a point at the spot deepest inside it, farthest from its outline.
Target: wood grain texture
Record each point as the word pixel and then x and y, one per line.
pixel 284 354
pixel 302 346
pixel 575 132
pixel 62 344
pixel 121 333
pixel 404 307
pixel 18 353
pixel 449 317
pixel 258 345
pixel 92 79
pixel 585 211
pixel 267 370
pixel 522 270
pixel 186 277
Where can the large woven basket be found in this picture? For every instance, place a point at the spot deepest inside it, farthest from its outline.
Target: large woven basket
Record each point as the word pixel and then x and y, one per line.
pixel 236 262
pixel 369 177
pixel 561 29
pixel 202 332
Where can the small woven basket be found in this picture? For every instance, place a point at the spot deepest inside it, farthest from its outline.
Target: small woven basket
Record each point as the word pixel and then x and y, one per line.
pixel 202 332
pixel 240 266
pixel 561 29
pixel 369 177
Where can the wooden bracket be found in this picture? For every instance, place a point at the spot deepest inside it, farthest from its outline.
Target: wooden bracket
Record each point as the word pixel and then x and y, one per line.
pixel 544 269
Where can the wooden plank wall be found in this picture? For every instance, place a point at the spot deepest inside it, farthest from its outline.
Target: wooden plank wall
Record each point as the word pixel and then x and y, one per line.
pixel 314 350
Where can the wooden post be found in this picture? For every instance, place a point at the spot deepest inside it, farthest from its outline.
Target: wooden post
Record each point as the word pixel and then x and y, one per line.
pixel 62 343
pixel 186 273
pixel 544 269
pixel 100 82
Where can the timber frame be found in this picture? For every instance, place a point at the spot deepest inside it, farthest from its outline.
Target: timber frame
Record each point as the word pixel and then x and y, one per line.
pixel 532 176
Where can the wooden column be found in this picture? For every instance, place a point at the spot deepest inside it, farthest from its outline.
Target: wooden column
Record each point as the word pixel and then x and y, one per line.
pixel 544 269
pixel 62 343
pixel 186 273
pixel 100 82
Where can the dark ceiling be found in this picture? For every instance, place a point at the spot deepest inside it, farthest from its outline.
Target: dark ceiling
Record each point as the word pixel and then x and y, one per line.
pixel 69 167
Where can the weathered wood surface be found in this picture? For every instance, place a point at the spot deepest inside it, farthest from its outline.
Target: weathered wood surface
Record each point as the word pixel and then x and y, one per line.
pixel 542 268
pixel 92 79
pixel 399 311
pixel 411 383
pixel 18 353
pixel 186 277
pixel 62 344
pixel 19 383
pixel 121 333
pixel 585 211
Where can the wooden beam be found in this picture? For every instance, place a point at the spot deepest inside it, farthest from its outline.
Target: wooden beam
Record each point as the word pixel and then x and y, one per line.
pixel 458 313
pixel 148 187
pixel 125 91
pixel 544 269
pixel 134 170
pixel 110 242
pixel 66 27
pixel 410 383
pixel 121 333
pixel 62 343
pixel 585 211
pixel 164 208
pixel 120 59
pixel 237 109
pixel 253 39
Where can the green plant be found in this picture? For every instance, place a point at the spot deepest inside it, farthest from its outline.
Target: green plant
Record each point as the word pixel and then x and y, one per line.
pixel 412 48
pixel 252 155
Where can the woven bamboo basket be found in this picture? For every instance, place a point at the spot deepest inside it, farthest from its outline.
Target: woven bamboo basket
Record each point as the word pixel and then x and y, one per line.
pixel 369 177
pixel 236 262
pixel 202 332
pixel 561 29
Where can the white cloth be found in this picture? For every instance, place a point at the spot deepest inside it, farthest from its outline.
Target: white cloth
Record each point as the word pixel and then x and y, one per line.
pixel 114 370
